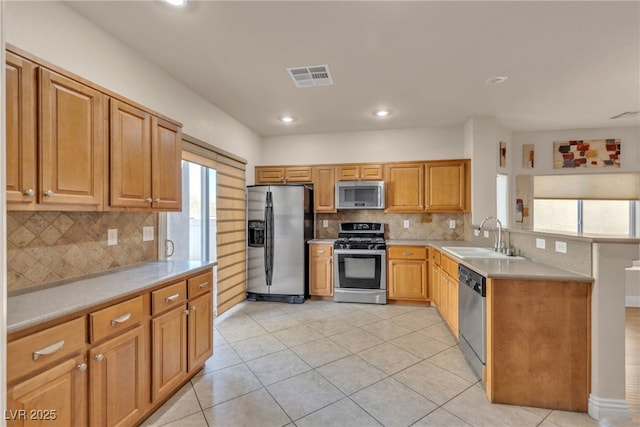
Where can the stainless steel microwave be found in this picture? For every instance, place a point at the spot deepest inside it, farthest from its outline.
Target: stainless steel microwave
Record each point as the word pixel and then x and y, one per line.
pixel 360 195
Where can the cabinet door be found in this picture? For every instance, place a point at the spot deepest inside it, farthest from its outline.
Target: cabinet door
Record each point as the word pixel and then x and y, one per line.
pixel 434 284
pixel 72 142
pixel 405 187
pixel 453 306
pixel 371 172
pixel 200 327
pixel 321 270
pixel 324 189
pixel 130 156
pixel 298 174
pixel 269 175
pixel 446 186
pixel 117 380
pixel 169 347
pixel 20 93
pixel 55 397
pixel 166 173
pixel 443 295
pixel 407 279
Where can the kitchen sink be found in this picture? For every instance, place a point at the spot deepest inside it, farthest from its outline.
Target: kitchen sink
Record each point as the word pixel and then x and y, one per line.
pixel 467 252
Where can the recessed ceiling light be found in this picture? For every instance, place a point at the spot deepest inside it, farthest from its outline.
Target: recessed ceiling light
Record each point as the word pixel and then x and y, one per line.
pixel 381 112
pixel 286 119
pixel 177 3
pixel 496 80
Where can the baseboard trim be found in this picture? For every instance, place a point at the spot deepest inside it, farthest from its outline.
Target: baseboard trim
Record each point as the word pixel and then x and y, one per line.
pixel 632 301
pixel 601 407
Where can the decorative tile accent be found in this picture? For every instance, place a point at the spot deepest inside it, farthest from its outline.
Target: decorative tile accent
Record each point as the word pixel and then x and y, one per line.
pixel 432 226
pixel 45 247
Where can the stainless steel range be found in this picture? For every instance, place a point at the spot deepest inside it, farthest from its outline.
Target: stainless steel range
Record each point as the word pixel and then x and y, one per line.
pixel 360 263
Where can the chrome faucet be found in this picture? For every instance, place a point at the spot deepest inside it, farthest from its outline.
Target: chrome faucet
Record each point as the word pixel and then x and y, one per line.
pixel 499 246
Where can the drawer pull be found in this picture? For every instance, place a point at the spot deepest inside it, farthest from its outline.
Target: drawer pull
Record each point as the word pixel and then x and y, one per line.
pixel 82 367
pixel 193 308
pixel 99 357
pixel 322 251
pixel 120 319
pixel 186 312
pixel 171 298
pixel 48 350
pixel 203 285
pixel 407 253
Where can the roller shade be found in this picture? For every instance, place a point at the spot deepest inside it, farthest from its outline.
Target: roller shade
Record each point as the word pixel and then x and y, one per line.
pixel 614 186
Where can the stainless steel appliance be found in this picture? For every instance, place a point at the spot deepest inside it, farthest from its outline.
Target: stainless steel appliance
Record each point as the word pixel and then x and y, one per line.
pixel 359 260
pixel 279 224
pixel 360 195
pixel 472 318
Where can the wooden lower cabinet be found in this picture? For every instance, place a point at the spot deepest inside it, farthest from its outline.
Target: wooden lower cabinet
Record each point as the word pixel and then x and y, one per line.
pixel 321 269
pixel 200 330
pixel 169 349
pixel 57 396
pixel 407 273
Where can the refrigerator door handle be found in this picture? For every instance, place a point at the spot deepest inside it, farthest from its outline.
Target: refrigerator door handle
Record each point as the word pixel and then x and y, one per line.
pixel 268 238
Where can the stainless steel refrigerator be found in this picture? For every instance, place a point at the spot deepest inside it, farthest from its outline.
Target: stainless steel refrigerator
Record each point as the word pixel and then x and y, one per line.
pixel 279 224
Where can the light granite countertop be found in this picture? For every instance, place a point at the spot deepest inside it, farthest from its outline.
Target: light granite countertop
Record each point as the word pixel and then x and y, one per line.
pixel 322 241
pixel 28 309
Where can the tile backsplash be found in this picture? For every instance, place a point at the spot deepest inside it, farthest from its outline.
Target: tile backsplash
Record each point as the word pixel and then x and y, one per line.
pixel 431 226
pixel 45 247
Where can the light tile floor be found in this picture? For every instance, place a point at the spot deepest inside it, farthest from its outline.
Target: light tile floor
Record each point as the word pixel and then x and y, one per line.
pixel 333 364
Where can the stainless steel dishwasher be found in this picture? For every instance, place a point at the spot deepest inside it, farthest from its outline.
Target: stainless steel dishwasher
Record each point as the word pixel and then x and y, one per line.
pixel 472 318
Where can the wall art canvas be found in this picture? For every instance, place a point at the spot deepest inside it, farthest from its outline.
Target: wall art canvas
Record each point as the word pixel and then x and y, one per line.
pixel 587 153
pixel 503 154
pixel 528 152
pixel 524 196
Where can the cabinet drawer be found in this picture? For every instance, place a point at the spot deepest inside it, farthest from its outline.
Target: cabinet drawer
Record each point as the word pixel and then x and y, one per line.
pixel 320 250
pixel 32 352
pixel 435 256
pixel 168 297
pixel 200 284
pixel 449 266
pixel 408 252
pixel 114 319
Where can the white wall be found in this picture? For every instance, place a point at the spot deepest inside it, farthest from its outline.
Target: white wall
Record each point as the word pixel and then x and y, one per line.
pixel 56 33
pixel 373 146
pixel 3 232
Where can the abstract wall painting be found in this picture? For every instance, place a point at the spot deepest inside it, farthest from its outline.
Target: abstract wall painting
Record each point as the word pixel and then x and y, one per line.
pixel 528 151
pixel 587 153
pixel 503 154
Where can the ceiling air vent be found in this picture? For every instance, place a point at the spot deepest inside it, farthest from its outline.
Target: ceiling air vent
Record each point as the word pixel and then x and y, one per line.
pixel 625 115
pixel 314 75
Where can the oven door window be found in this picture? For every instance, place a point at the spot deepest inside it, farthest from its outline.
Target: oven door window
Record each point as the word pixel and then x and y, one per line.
pixel 360 271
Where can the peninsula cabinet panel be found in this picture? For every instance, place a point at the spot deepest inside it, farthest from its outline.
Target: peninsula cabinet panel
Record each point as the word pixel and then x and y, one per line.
pixel 405 187
pixel 169 348
pixel 20 97
pixel 539 343
pixel 324 189
pixel 72 143
pixel 447 186
pixel 117 380
pixel 56 397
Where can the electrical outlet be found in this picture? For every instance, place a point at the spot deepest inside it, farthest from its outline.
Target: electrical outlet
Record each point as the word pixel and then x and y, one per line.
pixel 540 243
pixel 325 223
pixel 561 247
pixel 147 234
pixel 405 223
pixel 476 232
pixel 486 234
pixel 112 236
pixel 452 223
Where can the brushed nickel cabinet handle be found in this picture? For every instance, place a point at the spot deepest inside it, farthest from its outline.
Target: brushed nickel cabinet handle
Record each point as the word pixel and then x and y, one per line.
pixel 82 367
pixel 148 200
pixel 407 253
pixel 321 251
pixel 48 350
pixel 30 192
pixel 49 193
pixel 186 312
pixel 203 285
pixel 120 319
pixel 193 308
pixel 99 357
pixel 157 200
pixel 171 298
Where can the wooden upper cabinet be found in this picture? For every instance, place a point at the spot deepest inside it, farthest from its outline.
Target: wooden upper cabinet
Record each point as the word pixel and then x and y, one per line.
pixel 283 174
pixel 405 187
pixel 447 186
pixel 324 189
pixel 145 159
pixel 362 172
pixel 166 173
pixel 72 143
pixel 21 170
pixel 130 148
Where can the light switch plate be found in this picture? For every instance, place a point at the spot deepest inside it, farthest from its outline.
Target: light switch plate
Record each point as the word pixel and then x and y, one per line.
pixel 325 223
pixel 561 247
pixel 405 223
pixel 540 243
pixel 476 232
pixel 452 223
pixel 112 236
pixel 147 234
pixel 486 234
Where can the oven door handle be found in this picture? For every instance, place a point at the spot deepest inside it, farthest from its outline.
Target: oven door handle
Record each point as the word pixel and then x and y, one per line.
pixel 359 252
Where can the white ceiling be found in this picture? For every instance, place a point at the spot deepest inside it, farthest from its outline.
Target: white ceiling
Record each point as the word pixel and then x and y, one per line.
pixel 570 64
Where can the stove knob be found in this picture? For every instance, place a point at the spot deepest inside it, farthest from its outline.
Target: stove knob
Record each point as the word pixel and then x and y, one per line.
pixel 370 247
